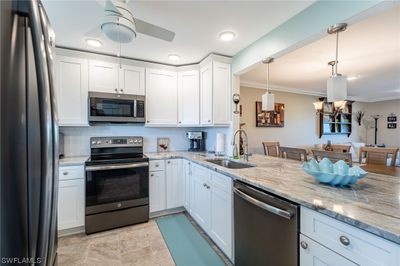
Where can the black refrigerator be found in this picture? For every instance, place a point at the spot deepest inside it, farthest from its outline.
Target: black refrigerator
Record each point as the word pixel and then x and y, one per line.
pixel 29 136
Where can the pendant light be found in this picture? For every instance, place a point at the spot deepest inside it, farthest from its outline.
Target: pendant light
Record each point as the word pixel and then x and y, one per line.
pixel 268 99
pixel 336 84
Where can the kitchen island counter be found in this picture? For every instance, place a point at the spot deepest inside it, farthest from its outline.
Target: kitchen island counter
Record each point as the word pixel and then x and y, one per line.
pixel 372 204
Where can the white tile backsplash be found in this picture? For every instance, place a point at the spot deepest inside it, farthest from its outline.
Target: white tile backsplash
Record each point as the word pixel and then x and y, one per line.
pixel 76 139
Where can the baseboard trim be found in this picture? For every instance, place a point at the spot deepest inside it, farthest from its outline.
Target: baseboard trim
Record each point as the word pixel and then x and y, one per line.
pixel 166 212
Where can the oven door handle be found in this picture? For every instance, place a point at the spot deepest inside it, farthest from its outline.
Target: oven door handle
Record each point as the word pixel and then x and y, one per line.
pixel 282 213
pixel 115 166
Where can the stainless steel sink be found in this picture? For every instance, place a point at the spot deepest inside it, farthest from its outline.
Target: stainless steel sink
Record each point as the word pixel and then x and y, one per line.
pixel 229 163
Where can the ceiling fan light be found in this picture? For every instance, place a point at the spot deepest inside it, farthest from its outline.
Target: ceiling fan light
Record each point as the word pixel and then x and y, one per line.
pixel 336 88
pixel 118 33
pixel 268 102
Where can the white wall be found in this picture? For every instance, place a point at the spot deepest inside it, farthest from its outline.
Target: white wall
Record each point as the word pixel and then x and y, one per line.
pixel 301 126
pixel 76 139
pixel 390 137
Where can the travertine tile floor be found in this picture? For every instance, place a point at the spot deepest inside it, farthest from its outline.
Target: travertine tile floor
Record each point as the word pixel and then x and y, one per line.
pixel 140 244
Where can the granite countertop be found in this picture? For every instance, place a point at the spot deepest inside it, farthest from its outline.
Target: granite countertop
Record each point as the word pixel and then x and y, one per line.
pixel 373 204
pixel 73 160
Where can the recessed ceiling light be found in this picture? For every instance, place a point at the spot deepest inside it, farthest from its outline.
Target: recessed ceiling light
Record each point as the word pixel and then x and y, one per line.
pixel 174 57
pixel 227 36
pixel 350 78
pixel 94 42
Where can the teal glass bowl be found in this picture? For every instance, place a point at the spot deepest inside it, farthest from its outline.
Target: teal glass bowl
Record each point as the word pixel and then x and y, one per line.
pixel 334 174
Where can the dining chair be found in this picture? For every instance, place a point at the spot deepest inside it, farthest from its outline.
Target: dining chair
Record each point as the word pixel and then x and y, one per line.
pixel 339 147
pixel 293 153
pixel 271 148
pixel 333 156
pixel 375 155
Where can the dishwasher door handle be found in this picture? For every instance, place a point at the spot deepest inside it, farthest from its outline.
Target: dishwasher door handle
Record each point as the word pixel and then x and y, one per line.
pixel 285 214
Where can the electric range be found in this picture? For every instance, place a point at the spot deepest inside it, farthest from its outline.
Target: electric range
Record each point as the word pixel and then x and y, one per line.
pixel 117 183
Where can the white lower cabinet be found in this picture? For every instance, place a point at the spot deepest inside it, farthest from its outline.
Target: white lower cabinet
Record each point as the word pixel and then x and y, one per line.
pixel 71 200
pixel 187 174
pixel 157 191
pixel 166 185
pixel 175 183
pixel 314 254
pixel 354 244
pixel 211 205
pixel 201 196
pixel 221 215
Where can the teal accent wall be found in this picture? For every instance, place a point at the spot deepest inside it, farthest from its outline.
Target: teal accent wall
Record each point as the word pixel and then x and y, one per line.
pixel 311 21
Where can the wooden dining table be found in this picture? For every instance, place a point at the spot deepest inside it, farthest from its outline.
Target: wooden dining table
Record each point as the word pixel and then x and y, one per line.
pixel 381 169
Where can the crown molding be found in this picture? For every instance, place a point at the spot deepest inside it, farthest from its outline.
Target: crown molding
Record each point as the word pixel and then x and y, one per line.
pixel 258 85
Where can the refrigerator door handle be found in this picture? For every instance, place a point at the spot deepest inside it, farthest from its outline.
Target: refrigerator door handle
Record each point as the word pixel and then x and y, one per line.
pixel 46 130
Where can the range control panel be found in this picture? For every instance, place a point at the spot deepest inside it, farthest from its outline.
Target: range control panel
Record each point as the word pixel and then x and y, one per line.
pixel 109 142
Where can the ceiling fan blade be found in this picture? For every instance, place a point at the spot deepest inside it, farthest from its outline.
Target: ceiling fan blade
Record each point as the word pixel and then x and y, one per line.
pixel 153 30
pixel 94 33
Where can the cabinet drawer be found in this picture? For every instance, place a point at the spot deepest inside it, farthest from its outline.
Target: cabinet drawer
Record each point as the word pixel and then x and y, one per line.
pixel 314 254
pixel 357 245
pixel 157 165
pixel 221 181
pixel 71 172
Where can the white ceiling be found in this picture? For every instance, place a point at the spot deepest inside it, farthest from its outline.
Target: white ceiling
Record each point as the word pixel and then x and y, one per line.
pixel 196 24
pixel 369 49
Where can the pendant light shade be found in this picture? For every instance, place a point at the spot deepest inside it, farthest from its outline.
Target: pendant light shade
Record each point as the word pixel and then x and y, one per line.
pixel 268 99
pixel 336 88
pixel 336 84
pixel 268 102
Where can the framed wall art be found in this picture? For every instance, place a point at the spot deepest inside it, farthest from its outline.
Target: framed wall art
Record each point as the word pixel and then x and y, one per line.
pixel 274 118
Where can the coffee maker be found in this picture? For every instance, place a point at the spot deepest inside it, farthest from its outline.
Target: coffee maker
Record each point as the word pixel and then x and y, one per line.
pixel 197 140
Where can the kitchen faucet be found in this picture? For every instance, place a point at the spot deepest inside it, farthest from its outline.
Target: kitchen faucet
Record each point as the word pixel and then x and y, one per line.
pixel 245 143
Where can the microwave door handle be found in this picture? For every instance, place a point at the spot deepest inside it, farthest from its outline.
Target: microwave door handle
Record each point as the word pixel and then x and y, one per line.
pixel 115 166
pixel 135 108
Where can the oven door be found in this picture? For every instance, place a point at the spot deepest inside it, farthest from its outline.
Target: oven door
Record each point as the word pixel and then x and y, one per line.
pixel 115 108
pixel 116 186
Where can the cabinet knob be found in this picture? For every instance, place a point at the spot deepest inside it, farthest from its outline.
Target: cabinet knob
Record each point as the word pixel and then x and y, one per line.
pixel 208 187
pixel 116 90
pixel 65 173
pixel 169 162
pixel 209 121
pixel 204 185
pixel 121 90
pixel 180 122
pixel 157 165
pixel 151 174
pixel 148 121
pixel 344 240
pixel 304 244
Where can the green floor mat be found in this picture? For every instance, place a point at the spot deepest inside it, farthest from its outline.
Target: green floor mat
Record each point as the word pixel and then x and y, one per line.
pixel 186 245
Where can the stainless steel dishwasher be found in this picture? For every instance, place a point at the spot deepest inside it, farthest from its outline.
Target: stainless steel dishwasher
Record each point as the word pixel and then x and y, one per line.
pixel 266 228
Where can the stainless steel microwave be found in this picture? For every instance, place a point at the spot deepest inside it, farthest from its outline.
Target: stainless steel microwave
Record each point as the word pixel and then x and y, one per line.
pixel 116 108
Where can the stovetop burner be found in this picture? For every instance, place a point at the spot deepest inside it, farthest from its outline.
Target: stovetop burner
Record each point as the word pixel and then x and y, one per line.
pixel 113 150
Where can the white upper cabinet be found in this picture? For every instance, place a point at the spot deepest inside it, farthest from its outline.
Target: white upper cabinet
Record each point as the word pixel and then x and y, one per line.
pixel 206 95
pixel 161 97
pixel 103 76
pixel 188 98
pixel 221 93
pixel 131 80
pixel 71 90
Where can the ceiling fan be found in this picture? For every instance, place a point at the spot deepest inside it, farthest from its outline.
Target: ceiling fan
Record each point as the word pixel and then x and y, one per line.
pixel 119 25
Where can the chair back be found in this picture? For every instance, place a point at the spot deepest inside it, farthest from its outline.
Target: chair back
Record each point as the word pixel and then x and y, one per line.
pixel 293 153
pixel 333 156
pixel 339 147
pixel 375 155
pixel 271 148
